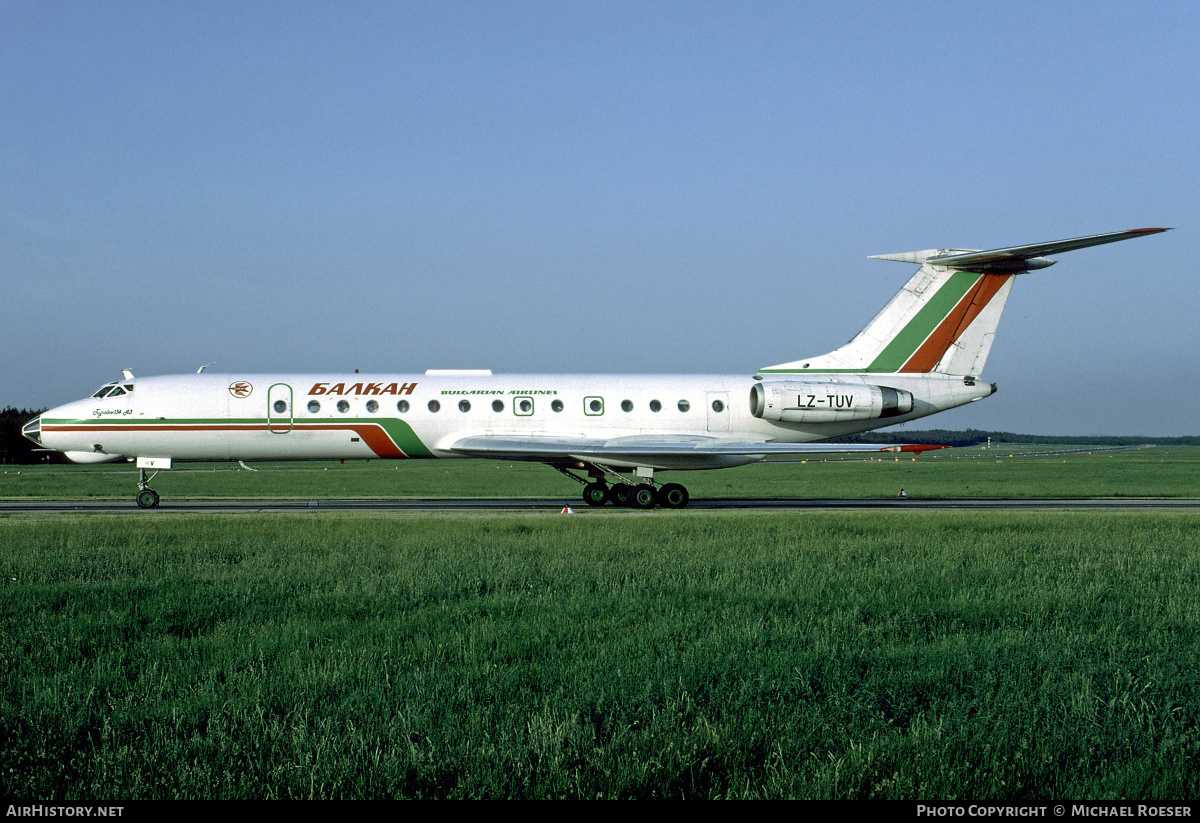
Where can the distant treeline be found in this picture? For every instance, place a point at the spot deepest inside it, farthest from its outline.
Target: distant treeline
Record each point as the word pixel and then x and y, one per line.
pixel 978 437
pixel 13 447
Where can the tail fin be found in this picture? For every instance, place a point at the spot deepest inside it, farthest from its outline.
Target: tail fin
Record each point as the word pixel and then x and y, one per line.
pixel 944 319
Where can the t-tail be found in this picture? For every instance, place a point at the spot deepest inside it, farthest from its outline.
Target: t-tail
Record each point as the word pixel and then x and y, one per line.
pixel 944 319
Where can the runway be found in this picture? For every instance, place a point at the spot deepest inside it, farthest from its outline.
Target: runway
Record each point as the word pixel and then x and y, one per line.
pixel 556 505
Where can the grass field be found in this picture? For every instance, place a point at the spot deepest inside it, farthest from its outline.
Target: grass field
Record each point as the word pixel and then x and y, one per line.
pixel 1012 472
pixel 912 655
pixel 684 654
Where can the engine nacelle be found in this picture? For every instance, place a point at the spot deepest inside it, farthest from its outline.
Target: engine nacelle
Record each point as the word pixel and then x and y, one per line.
pixel 826 402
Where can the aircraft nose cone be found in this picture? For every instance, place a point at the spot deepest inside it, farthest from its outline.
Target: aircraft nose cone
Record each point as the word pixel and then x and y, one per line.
pixel 33 430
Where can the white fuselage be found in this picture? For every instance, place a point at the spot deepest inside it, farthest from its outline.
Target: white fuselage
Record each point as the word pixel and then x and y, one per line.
pixel 358 416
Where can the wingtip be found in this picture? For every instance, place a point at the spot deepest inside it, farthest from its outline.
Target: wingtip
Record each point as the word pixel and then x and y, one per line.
pixel 915 448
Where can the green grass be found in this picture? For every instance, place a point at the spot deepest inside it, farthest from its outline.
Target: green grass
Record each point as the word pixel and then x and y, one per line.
pixel 689 654
pixel 1151 472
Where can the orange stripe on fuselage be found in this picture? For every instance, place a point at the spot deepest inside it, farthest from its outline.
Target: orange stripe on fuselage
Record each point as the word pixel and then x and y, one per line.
pixel 955 323
pixel 374 436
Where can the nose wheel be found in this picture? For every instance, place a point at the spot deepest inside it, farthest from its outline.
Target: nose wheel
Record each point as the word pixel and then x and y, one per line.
pixel 147 498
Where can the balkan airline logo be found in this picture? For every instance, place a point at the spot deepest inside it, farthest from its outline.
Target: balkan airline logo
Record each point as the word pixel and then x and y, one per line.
pixel 240 388
pixel 362 388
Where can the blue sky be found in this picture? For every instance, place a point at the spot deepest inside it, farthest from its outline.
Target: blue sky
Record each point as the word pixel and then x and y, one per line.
pixel 594 187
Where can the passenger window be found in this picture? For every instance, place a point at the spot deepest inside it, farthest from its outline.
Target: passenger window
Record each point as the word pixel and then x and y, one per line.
pixel 718 406
pixel 434 406
pixel 280 406
pixel 372 406
pixel 402 406
pixel 343 406
pixel 655 406
pixel 523 406
pixel 684 405
pixel 497 405
pixel 464 405
pixel 593 406
pixel 314 406
pixel 557 405
pixel 627 405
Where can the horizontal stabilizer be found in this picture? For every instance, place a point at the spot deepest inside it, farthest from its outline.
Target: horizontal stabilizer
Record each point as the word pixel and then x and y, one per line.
pixel 1012 259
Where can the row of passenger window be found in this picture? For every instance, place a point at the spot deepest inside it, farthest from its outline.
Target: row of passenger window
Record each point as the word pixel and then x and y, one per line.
pixel 522 406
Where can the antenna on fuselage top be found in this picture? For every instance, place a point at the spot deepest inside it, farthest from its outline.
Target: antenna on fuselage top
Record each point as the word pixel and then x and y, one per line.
pixel 205 366
pixel 127 373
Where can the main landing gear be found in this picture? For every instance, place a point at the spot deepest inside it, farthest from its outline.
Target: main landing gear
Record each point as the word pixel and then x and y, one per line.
pixel 641 496
pixel 147 498
pixel 644 495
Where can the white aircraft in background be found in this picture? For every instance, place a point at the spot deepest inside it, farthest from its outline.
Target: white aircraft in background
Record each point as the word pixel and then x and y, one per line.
pixel 922 354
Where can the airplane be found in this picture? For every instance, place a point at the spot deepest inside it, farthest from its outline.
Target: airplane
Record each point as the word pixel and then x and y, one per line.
pixel 921 354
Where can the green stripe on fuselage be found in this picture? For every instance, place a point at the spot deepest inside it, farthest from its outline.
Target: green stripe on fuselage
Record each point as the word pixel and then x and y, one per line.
pixel 404 437
pixel 400 432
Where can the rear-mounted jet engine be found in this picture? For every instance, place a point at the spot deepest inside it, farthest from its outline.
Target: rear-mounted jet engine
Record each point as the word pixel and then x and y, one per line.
pixel 826 402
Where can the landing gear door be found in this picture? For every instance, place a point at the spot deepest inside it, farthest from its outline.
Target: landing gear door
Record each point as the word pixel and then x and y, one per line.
pixel 279 408
pixel 718 411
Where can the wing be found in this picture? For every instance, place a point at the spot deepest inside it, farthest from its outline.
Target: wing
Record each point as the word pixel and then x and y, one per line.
pixel 654 452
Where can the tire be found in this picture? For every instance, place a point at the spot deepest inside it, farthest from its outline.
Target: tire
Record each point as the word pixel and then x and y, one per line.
pixel 619 494
pixel 595 494
pixel 673 496
pixel 147 498
pixel 643 497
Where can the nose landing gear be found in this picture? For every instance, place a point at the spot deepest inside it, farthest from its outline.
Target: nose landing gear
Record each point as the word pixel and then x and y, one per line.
pixel 147 498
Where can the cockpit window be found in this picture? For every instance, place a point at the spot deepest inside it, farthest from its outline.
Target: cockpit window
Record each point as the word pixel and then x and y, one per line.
pixel 113 390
